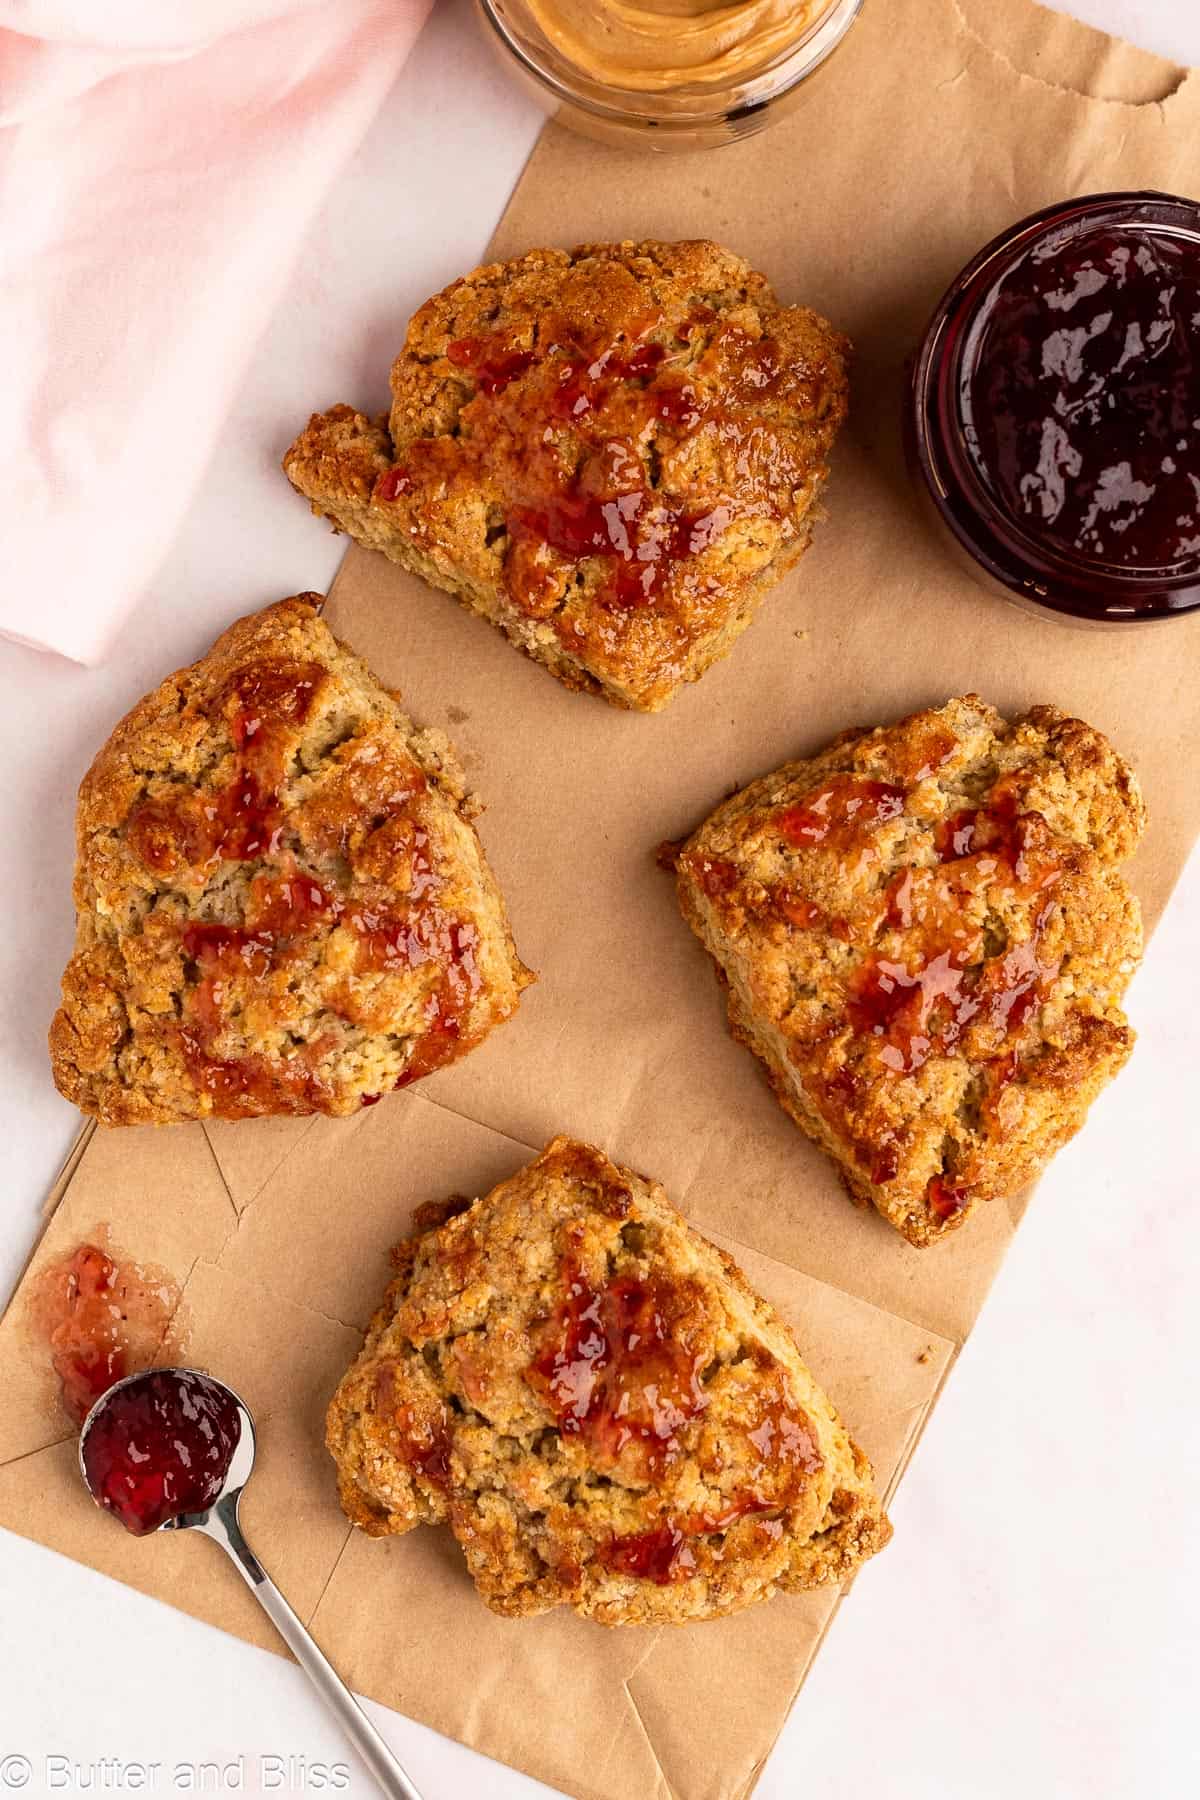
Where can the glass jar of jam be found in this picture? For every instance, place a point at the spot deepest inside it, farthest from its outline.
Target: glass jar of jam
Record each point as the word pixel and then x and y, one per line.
pixel 1053 410
pixel 670 74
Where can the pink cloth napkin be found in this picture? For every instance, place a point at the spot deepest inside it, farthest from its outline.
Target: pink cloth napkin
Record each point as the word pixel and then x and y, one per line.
pixel 159 166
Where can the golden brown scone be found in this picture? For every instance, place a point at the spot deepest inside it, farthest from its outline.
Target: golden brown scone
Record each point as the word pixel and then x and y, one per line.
pixel 610 452
pixel 925 937
pixel 604 1412
pixel 281 904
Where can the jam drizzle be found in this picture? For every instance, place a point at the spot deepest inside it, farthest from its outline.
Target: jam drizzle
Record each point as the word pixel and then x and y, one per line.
pixel 921 999
pixel 923 1005
pixel 240 821
pixel 783 1455
pixel 559 430
pixel 188 836
pixel 280 917
pixel 838 815
pixel 423 1445
pixel 615 1372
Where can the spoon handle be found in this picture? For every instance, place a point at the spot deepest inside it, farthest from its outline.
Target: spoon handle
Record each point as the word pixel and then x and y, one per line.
pixel 223 1526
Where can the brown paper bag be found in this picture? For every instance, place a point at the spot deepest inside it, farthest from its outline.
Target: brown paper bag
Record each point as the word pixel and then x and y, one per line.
pixel 938 123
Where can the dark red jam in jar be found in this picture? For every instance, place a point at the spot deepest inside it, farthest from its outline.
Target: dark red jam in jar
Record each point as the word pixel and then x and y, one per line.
pixel 160 1446
pixel 1054 411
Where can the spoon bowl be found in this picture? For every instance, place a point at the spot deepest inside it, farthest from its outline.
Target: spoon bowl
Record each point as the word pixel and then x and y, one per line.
pixel 189 1438
pixel 172 1450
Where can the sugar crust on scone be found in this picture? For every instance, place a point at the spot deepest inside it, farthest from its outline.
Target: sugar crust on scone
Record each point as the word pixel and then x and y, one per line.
pixel 924 934
pixel 282 905
pixel 611 453
pixel 602 1409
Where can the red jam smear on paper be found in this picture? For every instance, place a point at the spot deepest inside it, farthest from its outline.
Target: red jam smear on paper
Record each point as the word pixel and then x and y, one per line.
pixel 161 1447
pixel 616 1372
pixel 1081 409
pixel 101 1318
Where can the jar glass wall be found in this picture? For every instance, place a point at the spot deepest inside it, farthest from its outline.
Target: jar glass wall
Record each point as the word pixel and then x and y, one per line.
pixel 686 114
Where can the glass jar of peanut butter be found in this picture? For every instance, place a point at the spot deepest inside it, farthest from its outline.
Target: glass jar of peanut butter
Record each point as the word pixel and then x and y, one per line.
pixel 667 74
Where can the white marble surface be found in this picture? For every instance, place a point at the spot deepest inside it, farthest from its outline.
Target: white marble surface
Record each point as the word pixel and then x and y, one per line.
pixel 1033 1628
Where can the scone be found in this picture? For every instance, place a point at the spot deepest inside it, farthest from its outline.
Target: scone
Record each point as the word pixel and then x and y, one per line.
pixel 925 936
pixel 610 452
pixel 603 1411
pixel 282 906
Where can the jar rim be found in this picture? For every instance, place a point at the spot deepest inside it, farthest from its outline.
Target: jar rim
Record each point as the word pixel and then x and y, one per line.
pixel 666 113
pixel 1025 563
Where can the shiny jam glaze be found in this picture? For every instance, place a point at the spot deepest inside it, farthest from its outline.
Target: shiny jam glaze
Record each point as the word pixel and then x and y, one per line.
pixel 840 814
pixel 101 1318
pixel 192 832
pixel 934 982
pixel 423 1445
pixel 661 1555
pixel 188 836
pixel 558 430
pixel 1055 407
pixel 945 1200
pixel 161 1447
pixel 922 1005
pixel 666 1553
pixel 492 372
pixel 715 874
pixel 778 1457
pixel 616 1367
pixel 423 937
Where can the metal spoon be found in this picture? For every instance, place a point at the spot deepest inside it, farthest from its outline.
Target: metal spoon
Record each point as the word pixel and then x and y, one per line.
pixel 220 1522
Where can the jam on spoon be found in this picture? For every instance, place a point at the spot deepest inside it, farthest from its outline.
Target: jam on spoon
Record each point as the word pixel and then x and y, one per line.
pixel 174 1448
pixel 159 1446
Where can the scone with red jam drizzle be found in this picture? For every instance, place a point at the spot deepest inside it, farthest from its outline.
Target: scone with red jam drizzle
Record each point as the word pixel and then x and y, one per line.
pixel 924 934
pixel 282 905
pixel 604 1412
pixel 612 453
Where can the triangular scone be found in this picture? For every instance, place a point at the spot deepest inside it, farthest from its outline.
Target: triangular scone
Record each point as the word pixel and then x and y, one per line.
pixel 925 936
pixel 282 906
pixel 612 453
pixel 605 1413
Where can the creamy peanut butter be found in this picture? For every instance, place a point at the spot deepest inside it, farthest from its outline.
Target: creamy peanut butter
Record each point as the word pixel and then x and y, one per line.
pixel 662 44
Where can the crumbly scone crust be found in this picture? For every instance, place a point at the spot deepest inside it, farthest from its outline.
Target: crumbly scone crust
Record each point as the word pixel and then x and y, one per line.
pixel 282 905
pixel 611 453
pixel 598 1404
pixel 924 935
